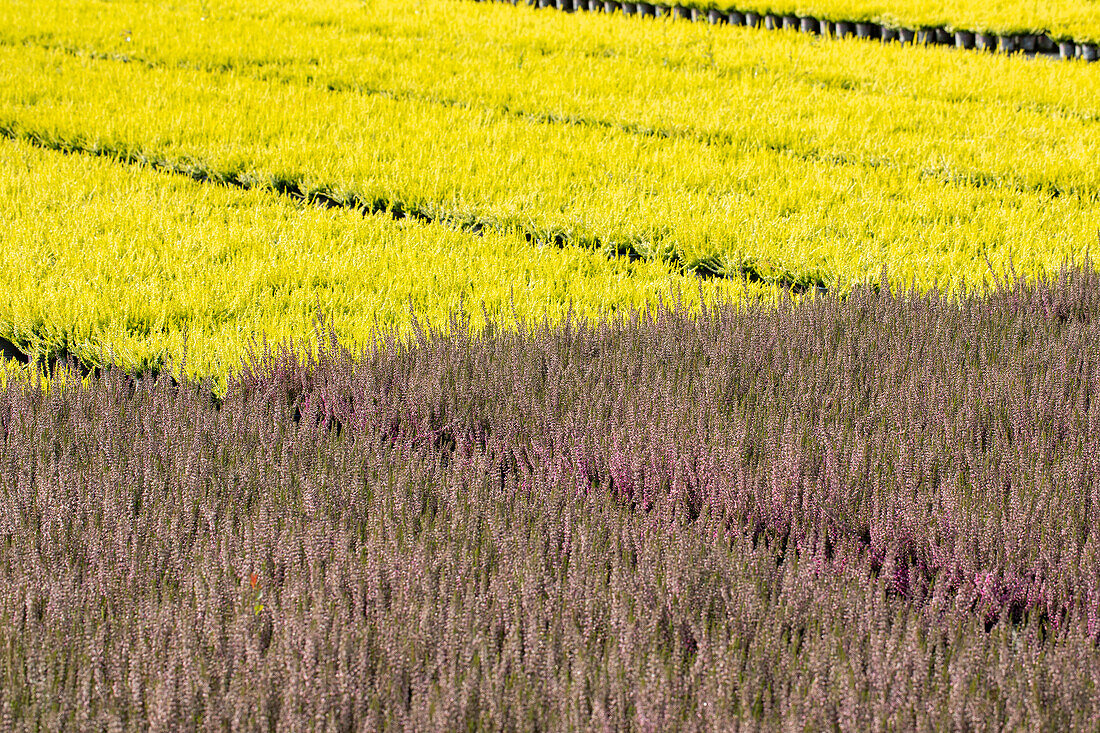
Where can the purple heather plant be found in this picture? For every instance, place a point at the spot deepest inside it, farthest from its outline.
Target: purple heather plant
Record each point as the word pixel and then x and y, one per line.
pixel 868 512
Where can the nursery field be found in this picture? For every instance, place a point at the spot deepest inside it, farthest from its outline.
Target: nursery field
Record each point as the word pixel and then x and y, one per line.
pixel 781 160
pixel 473 366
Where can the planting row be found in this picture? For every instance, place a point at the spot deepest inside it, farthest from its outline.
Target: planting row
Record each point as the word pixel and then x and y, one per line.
pixel 569 74
pixel 663 79
pixel 1028 43
pixel 810 187
pixel 113 263
pixel 868 514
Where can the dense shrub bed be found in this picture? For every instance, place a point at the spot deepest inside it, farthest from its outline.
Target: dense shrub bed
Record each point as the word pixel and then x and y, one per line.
pixel 862 513
pixel 776 156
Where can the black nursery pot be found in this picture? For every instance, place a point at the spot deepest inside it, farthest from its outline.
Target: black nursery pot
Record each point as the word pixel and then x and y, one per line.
pixel 565 5
pixel 1067 49
pixel 844 29
pixel 610 6
pixel 733 18
pixel 790 23
pixel 1006 44
pixel 868 30
pixel 752 20
pixel 964 39
pixel 926 36
pixel 681 12
pixel 906 35
pixel 826 27
pixel 771 22
pixel 1088 51
pixel 1027 43
pixel 944 38
pixel 810 25
pixel 660 11
pixel 985 41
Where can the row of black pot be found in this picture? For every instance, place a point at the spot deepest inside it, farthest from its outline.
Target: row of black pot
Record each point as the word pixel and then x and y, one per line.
pixel 1026 43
